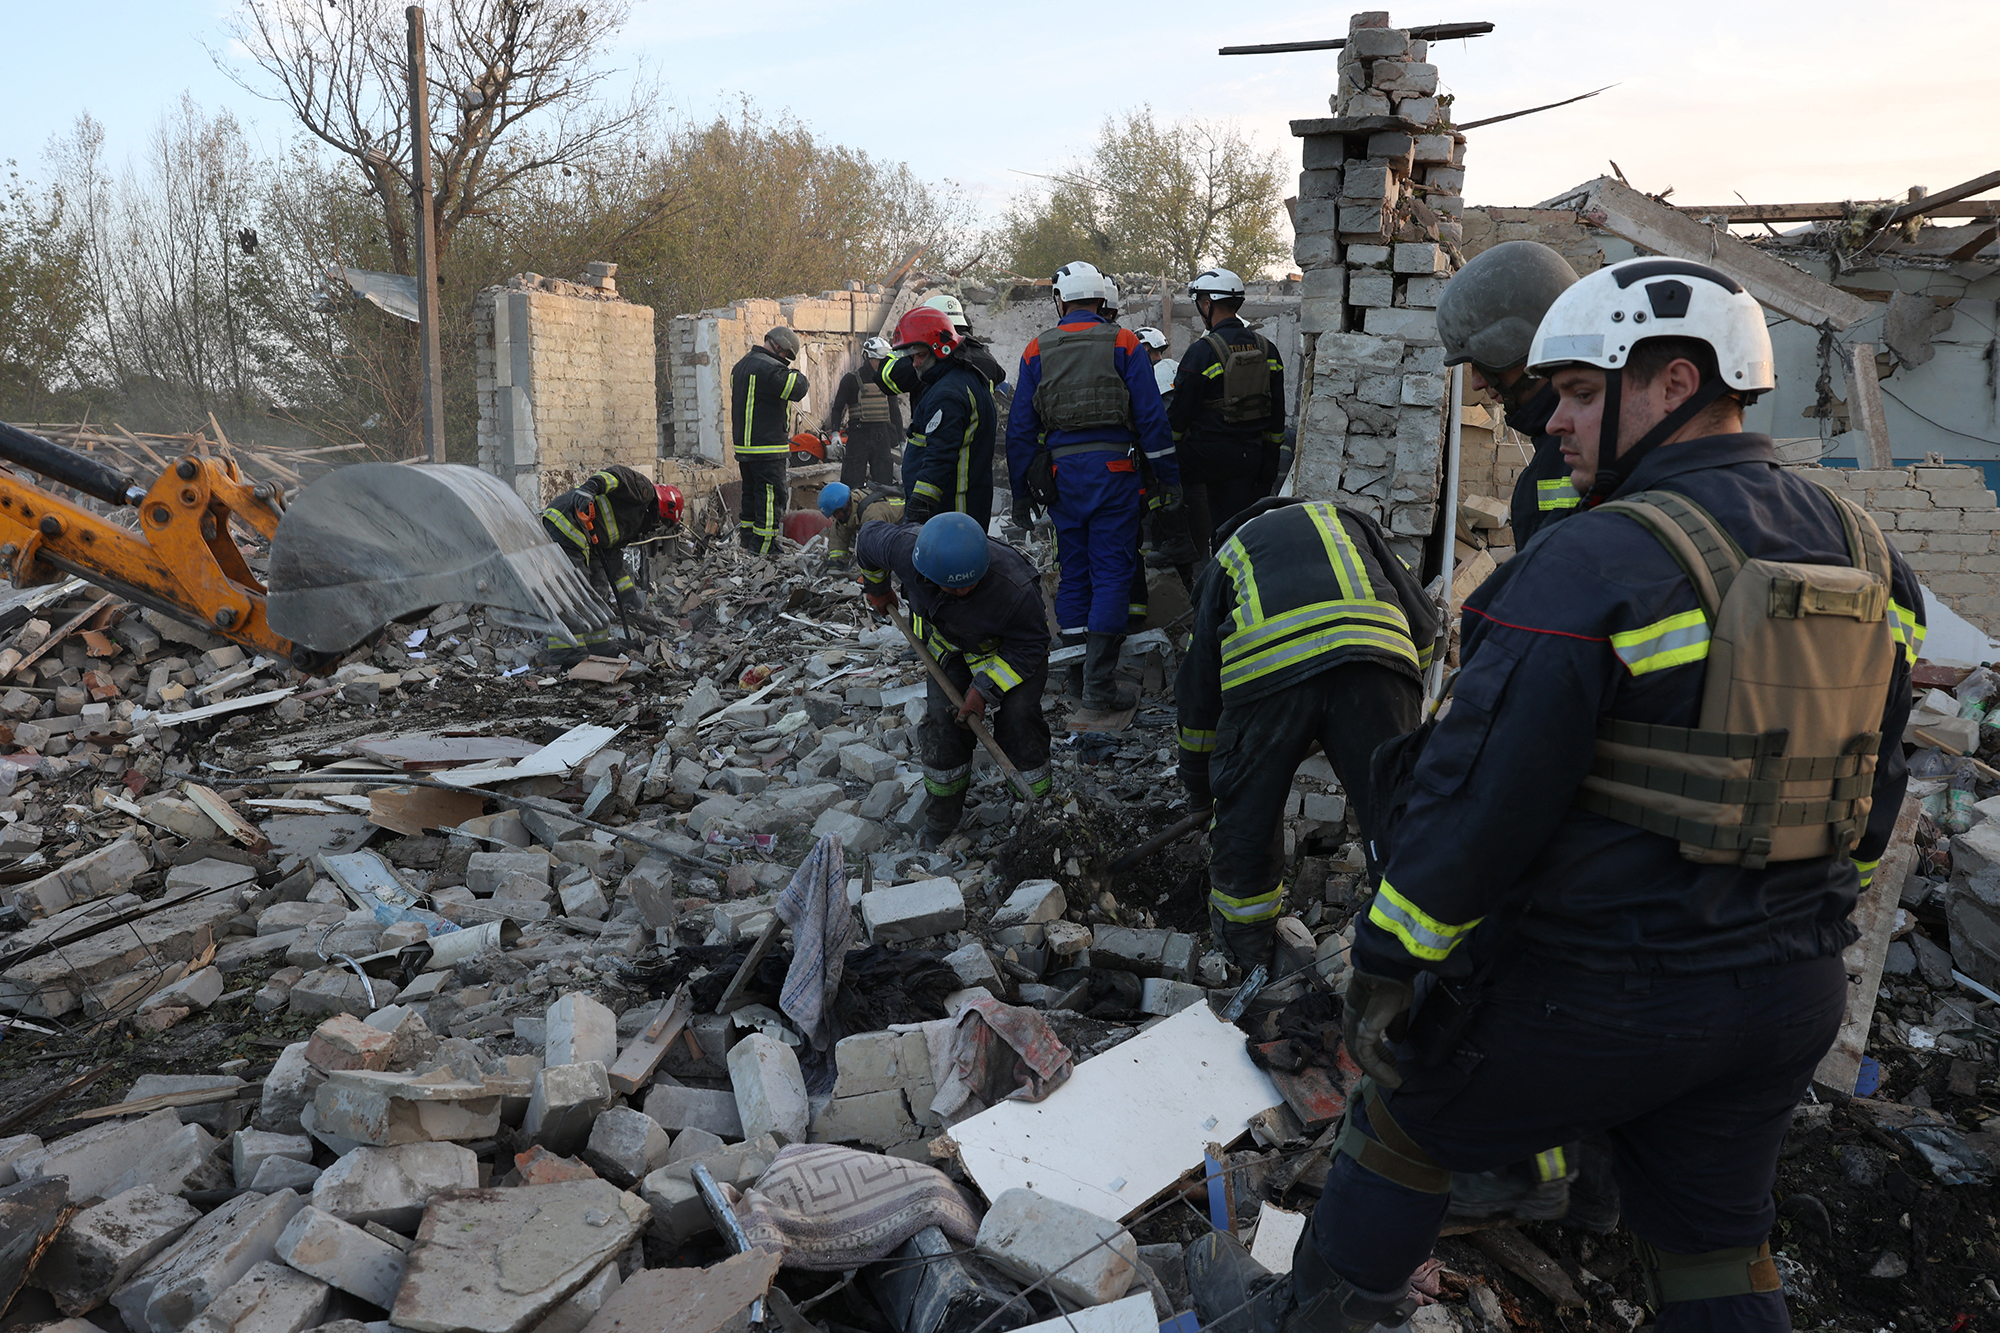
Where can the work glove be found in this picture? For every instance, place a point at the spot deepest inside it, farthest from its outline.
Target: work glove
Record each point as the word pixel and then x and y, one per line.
pixel 1023 514
pixel 973 706
pixel 1376 1011
pixel 632 601
pixel 1168 500
pixel 881 600
pixel 918 508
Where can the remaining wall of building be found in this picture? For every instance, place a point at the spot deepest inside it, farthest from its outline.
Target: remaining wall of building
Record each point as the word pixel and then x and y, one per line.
pixel 1945 522
pixel 1378 230
pixel 565 382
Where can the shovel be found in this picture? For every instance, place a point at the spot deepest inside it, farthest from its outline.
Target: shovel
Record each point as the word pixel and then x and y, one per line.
pixel 958 701
pixel 375 542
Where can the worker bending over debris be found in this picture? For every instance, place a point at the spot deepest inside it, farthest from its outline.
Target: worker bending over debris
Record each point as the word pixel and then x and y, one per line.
pixel 1228 411
pixel 762 387
pixel 593 524
pixel 848 512
pixel 1673 758
pixel 1486 320
pixel 1086 417
pixel 1307 627
pixel 976 606
pixel 872 418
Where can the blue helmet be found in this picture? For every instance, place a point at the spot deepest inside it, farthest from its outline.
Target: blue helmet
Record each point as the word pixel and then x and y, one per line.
pixel 951 551
pixel 833 498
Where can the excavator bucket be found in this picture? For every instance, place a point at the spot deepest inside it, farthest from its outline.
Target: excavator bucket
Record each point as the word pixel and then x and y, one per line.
pixel 375 542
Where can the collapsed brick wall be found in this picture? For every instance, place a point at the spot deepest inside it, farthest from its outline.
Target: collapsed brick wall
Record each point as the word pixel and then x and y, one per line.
pixel 1378 228
pixel 565 383
pixel 701 350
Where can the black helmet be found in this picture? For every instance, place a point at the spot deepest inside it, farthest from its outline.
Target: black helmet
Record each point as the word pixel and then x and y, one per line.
pixel 1492 306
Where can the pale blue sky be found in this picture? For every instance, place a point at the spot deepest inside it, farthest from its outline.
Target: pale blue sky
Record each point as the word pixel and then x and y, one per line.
pixel 1783 103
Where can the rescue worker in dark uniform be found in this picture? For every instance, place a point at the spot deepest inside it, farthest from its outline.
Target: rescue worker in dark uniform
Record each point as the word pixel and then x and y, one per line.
pixel 976 605
pixel 1486 319
pixel 762 387
pixel 1228 413
pixel 1307 627
pixel 1658 846
pixel 593 524
pixel 1086 395
pixel 848 512
pixel 872 418
pixel 948 457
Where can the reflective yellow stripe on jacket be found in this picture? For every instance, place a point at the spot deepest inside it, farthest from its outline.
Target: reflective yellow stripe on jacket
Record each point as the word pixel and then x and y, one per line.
pixel 1423 935
pixel 1903 624
pixel 1675 641
pixel 1556 493
pixel 561 522
pixel 785 395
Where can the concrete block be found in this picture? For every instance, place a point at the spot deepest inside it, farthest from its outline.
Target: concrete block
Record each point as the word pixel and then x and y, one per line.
pixel 874 1119
pixel 626 1145
pixel 342 1256
pixel 1325 809
pixel 678 1213
pixel 1372 289
pixel 682 1109
pixel 867 763
pixel 693 1143
pixel 1394 147
pixel 218 1118
pixel 249 1149
pixel 1411 326
pixel 579 1029
pixel 1084 1258
pixel 285 1173
pixel 485 870
pixel 12 1148
pixel 95 1159
pixel 575 1314
pixel 392 1185
pixel 770 1089
pixel 566 1098
pixel 288 1090
pixel 387 1109
pixel 270 1298
pixel 1359 351
pixel 858 836
pixel 103 1245
pixel 1032 902
pixel 336 990
pixel 166 1295
pixel 1164 998
pixel 904 912
pixel 1364 221
pixel 347 1042
pixel 1421 258
pixel 583 898
pixel 875 1061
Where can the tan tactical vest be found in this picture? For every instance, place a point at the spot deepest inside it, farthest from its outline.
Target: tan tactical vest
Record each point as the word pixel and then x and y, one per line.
pixel 871 406
pixel 1799 661
pixel 1081 388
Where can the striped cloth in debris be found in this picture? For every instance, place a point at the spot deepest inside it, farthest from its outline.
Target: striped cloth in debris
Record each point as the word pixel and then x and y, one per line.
pixel 828 1208
pixel 1000 1052
pixel 815 906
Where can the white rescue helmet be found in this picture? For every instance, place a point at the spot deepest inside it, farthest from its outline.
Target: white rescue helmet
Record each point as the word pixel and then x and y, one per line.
pixel 952 306
pixel 1079 282
pixel 1111 298
pixel 1163 375
pixel 1218 283
pixel 877 349
pixel 1154 340
pixel 1599 319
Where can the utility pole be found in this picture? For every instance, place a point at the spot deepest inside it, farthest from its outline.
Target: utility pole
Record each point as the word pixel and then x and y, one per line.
pixel 430 400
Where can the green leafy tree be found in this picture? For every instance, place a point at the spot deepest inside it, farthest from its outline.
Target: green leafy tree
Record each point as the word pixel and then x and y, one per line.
pixel 42 305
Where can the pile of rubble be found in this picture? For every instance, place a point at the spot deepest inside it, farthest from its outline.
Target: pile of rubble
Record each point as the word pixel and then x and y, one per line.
pixel 450 994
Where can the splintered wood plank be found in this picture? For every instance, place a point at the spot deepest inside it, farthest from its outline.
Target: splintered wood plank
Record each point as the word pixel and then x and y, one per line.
pixel 411 810
pixel 1527 1261
pixel 210 803
pixel 422 753
pixel 1171 1090
pixel 1875 917
pixel 637 1063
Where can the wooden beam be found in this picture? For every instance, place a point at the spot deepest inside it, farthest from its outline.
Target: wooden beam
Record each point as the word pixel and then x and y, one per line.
pixel 1652 225
pixel 1864 404
pixel 1875 917
pixel 1828 212
pixel 1924 206
pixel 1436 32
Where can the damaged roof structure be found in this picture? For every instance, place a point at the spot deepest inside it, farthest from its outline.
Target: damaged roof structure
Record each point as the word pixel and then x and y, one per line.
pixel 450 992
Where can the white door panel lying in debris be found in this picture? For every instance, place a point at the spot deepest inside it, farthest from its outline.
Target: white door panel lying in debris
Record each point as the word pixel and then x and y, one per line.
pixel 1165 1095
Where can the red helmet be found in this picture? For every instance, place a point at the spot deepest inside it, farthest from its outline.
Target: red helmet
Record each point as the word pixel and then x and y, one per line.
pixel 671 504
pixel 929 328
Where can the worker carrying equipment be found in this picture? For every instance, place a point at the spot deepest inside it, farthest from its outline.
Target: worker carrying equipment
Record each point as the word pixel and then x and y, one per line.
pixel 872 418
pixel 592 524
pixel 976 606
pixel 1307 627
pixel 1086 418
pixel 762 386
pixel 365 545
pixel 850 512
pixel 948 456
pixel 1486 320
pixel 1607 955
pixel 1228 411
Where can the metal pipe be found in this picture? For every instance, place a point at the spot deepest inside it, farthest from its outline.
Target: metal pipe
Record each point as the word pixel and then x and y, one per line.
pixel 65 465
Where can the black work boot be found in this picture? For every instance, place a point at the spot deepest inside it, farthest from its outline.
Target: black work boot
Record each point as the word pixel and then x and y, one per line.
pixel 1073 673
pixel 1233 1293
pixel 1103 692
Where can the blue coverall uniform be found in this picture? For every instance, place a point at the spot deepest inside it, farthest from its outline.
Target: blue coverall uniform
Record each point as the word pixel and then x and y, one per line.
pixel 1098 503
pixel 1679 1007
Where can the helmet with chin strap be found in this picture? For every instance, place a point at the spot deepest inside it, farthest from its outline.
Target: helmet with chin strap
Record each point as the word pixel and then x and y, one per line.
pixel 1603 318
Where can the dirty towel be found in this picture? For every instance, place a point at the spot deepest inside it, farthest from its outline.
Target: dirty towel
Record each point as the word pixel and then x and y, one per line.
pixel 827 1209
pixel 999 1052
pixel 815 906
